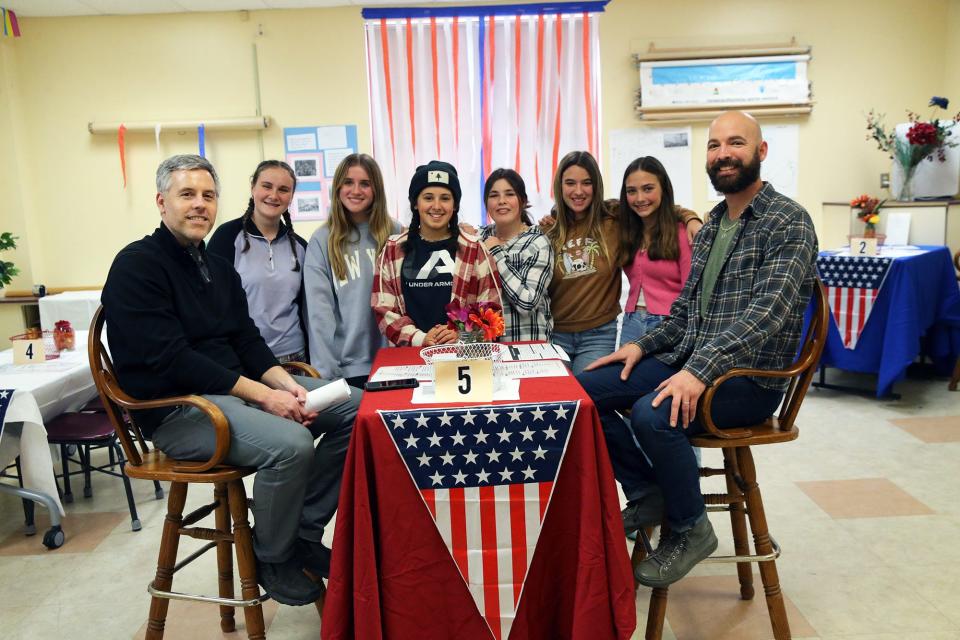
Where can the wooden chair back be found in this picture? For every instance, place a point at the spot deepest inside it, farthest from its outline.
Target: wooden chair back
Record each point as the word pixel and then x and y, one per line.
pixel 800 372
pixel 119 407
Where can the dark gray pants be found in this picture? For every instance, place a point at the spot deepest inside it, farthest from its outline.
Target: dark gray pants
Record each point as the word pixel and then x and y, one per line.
pixel 296 487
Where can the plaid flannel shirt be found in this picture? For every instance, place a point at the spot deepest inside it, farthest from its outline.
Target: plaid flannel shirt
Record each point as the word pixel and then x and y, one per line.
pixel 525 263
pixel 475 279
pixel 756 310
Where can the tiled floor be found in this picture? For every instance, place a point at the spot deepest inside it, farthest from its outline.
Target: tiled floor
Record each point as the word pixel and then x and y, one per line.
pixel 865 504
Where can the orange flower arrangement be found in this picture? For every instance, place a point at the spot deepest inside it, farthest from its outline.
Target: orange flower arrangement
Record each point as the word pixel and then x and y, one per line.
pixel 869 210
pixel 476 318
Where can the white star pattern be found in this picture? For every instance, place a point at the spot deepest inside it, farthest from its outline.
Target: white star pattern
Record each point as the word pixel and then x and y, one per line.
pixel 457 438
pixel 493 456
pixel 516 454
pixel 434 440
pixel 422 421
pixel 437 478
pixel 398 422
pixel 528 473
pixel 411 442
pixel 514 415
pixel 539 453
pixel 505 475
pixel 445 420
pixel 447 458
pixel 491 416
pixel 527 434
pixel 538 413
pixel 460 477
pixel 549 433
pixel 483 476
pixel 424 460
pixel 470 457
pixel 468 418
pixel 561 412
pixel 504 436
pixel 481 437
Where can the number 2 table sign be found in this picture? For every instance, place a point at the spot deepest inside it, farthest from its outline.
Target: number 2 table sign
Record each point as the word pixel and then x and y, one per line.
pixel 860 246
pixel 463 380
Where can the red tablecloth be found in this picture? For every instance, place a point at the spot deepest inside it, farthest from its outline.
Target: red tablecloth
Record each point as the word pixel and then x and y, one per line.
pixel 393 577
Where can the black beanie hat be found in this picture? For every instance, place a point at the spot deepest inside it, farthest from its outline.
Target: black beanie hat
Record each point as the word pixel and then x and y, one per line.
pixel 435 174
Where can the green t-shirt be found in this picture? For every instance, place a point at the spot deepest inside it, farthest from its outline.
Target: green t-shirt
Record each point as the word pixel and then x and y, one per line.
pixel 721 242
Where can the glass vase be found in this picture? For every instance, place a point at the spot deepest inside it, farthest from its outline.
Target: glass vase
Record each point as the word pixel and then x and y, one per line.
pixel 905 193
pixel 470 337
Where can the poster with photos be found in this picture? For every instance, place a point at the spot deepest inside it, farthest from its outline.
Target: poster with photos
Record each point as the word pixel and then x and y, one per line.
pixel 314 153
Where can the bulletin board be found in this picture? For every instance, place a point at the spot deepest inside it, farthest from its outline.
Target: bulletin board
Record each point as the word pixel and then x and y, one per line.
pixel 314 153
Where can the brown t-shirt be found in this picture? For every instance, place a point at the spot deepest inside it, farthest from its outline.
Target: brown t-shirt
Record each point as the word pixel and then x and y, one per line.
pixel 585 289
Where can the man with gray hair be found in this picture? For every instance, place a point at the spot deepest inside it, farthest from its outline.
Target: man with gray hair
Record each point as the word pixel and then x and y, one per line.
pixel 178 324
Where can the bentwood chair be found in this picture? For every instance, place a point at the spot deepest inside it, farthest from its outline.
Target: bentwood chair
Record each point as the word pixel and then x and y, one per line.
pixel 742 498
pixel 229 506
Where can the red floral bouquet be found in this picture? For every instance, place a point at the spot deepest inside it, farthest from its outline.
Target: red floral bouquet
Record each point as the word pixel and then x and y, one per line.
pixel 475 322
pixel 925 139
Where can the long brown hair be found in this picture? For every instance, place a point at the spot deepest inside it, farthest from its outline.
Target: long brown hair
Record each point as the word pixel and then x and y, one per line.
pixel 248 214
pixel 664 244
pixel 595 214
pixel 342 228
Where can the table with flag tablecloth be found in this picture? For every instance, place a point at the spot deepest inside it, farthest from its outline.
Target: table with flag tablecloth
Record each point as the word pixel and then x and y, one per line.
pixel 888 309
pixel 479 521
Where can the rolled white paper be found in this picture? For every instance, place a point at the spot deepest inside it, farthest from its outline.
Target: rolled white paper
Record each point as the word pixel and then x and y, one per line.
pixel 327 395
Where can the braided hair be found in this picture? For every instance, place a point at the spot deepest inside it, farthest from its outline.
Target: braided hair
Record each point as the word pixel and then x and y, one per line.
pixel 248 214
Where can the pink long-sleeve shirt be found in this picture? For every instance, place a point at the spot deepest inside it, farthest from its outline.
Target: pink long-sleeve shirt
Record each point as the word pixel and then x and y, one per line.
pixel 660 280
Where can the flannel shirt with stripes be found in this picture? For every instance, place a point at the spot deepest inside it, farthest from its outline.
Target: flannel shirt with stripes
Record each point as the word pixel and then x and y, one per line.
pixel 475 279
pixel 525 263
pixel 756 311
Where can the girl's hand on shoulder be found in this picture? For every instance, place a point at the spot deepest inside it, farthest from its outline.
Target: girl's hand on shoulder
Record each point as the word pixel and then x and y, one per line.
pixel 466 227
pixel 492 242
pixel 693 228
pixel 546 222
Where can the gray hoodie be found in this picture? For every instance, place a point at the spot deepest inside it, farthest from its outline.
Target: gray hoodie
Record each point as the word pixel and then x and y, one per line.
pixel 344 337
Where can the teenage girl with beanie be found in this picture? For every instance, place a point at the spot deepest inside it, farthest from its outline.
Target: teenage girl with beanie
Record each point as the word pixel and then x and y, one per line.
pixel 523 255
pixel 263 248
pixel 338 272
pixel 653 245
pixel 585 290
pixel 430 265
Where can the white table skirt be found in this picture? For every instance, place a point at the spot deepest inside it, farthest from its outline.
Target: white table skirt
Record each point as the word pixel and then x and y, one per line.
pixel 76 306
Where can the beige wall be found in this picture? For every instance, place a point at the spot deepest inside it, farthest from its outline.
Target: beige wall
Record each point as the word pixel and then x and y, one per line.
pixel 60 186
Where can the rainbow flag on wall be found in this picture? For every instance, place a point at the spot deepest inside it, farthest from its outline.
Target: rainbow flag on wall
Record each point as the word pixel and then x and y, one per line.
pixel 10 25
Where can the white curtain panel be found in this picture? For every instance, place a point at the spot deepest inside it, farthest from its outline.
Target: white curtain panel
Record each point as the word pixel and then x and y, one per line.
pixel 482 92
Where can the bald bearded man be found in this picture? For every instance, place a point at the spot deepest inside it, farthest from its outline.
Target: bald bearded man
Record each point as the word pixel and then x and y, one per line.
pixel 751 277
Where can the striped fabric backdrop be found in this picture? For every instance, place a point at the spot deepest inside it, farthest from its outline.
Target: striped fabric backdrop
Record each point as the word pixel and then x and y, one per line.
pixel 482 92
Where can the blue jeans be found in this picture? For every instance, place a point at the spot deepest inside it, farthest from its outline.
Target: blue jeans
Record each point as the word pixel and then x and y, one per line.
pixel 584 347
pixel 647 450
pixel 636 324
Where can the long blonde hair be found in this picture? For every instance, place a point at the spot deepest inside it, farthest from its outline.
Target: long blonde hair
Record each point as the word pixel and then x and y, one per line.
pixel 565 218
pixel 342 228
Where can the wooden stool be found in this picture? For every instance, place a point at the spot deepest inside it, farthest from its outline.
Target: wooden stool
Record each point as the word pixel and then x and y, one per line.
pixel 742 497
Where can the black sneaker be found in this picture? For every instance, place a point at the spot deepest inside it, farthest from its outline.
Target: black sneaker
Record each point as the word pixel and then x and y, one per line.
pixel 644 513
pixel 286 582
pixel 315 557
pixel 676 555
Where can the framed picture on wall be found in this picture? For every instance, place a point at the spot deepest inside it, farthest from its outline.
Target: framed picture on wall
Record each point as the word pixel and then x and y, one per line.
pixel 308 167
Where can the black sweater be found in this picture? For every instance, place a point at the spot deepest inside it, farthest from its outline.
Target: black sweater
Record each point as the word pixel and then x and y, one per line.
pixel 170 333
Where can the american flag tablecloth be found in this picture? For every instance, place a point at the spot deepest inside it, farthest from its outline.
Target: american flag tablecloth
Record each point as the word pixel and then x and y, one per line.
pixel 476 522
pixel 853 284
pixel 486 475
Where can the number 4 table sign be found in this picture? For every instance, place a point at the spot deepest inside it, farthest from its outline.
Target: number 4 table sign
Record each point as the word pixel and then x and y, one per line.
pixel 27 350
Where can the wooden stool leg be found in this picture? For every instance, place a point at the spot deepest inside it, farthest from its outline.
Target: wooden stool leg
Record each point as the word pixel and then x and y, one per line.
pixel 246 561
pixel 738 523
pixel 656 613
pixel 166 559
pixel 956 377
pixel 224 557
pixel 763 546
